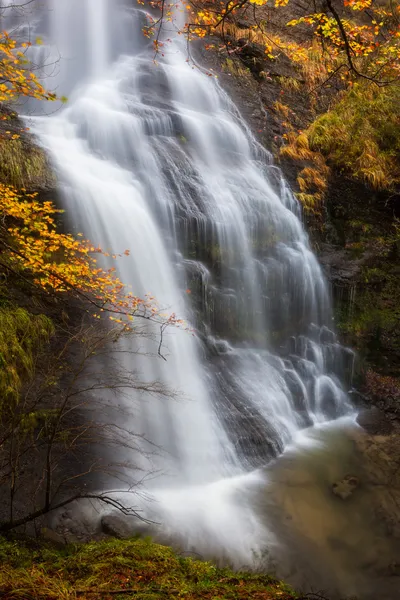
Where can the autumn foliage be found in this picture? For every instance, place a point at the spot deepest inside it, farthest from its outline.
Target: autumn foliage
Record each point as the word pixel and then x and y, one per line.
pixel 359 38
pixel 361 35
pixel 57 262
pixel 33 248
pixel 16 78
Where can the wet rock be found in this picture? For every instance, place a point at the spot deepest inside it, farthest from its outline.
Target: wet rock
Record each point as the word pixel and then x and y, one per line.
pixel 345 487
pixel 116 526
pixel 252 56
pixel 339 265
pixel 375 421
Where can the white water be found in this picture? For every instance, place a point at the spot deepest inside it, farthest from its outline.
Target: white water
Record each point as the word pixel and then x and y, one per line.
pixel 156 158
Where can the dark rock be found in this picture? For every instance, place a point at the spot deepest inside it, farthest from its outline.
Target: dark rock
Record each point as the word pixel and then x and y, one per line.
pixel 117 526
pixel 252 56
pixel 375 421
pixel 338 264
pixel 345 487
pixel 327 336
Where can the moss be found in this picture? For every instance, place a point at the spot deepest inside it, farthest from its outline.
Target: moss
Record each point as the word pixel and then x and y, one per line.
pixel 150 571
pixel 21 336
pixel 371 322
pixel 24 165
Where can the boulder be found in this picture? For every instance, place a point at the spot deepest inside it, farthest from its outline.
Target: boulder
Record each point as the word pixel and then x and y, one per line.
pixel 117 526
pixel 375 422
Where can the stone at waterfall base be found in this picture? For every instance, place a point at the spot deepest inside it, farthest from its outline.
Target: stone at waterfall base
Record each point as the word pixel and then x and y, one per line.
pixel 122 526
pixel 345 487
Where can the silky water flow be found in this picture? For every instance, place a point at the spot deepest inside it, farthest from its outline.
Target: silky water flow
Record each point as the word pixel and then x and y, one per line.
pixel 153 156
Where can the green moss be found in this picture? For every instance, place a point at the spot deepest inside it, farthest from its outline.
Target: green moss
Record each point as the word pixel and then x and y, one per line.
pixel 21 336
pixel 372 322
pixel 149 570
pixel 24 165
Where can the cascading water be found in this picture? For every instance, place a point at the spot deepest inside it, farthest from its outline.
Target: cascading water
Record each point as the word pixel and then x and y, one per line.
pixel 157 159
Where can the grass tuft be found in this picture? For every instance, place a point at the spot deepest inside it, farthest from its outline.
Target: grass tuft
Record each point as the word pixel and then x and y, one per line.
pixel 24 165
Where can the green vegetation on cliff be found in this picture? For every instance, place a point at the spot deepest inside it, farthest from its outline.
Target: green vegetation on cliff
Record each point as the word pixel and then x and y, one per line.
pixel 358 137
pixel 136 568
pixel 22 164
pixel 361 134
pixel 21 337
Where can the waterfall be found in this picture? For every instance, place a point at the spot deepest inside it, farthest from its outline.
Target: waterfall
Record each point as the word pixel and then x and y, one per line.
pixel 156 158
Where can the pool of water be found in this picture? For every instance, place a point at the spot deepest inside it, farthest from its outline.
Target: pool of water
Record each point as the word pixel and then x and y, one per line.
pixel 338 548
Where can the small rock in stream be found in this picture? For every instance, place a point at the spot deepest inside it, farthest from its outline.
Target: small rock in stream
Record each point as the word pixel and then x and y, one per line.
pixel 345 487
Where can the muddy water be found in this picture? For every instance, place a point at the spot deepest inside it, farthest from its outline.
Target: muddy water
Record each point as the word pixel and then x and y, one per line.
pixel 285 518
pixel 339 548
